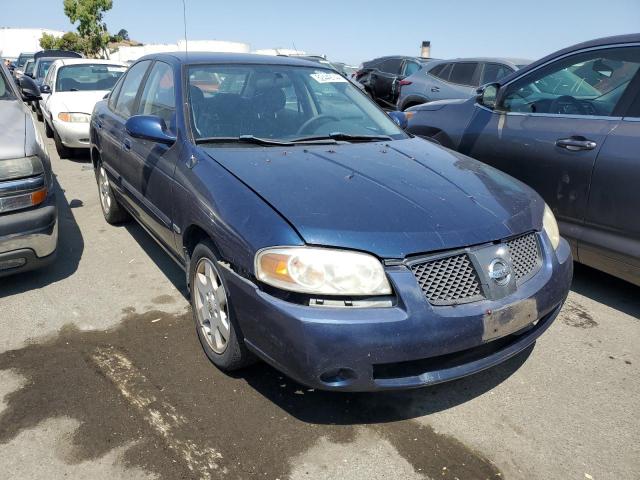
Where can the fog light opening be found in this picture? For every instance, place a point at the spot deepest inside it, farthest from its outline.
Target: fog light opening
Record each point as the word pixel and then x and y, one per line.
pixel 13 263
pixel 338 377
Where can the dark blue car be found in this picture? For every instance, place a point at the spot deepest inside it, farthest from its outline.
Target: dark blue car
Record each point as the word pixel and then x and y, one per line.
pixel 318 236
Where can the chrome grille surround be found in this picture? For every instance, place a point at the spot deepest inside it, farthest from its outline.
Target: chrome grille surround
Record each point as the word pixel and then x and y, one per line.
pixel 456 277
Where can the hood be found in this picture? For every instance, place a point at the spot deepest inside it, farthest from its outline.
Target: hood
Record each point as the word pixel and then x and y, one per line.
pixel 13 119
pixel 79 102
pixel 395 199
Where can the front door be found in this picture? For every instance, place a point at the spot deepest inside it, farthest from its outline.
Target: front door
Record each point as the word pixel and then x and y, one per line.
pixel 550 125
pixel 156 161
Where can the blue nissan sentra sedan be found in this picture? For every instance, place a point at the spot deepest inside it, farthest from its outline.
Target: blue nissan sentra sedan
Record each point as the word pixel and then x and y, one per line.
pixel 317 235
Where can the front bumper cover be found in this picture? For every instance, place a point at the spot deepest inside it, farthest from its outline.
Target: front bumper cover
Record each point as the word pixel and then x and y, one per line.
pixel 355 349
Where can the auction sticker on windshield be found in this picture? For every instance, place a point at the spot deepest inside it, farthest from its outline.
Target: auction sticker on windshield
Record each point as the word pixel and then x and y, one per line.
pixel 328 78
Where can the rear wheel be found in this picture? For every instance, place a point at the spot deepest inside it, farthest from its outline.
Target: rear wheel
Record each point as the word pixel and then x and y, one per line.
pixel 111 209
pixel 217 328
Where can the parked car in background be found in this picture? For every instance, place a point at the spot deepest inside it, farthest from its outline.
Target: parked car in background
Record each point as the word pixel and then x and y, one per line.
pixel 324 240
pixel 28 67
pixel 459 78
pixel 569 126
pixel 44 59
pixel 70 90
pixel 18 68
pixel 28 212
pixel 381 77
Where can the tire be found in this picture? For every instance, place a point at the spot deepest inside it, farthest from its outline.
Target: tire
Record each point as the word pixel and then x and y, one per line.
pixel 212 312
pixel 47 129
pixel 39 115
pixel 63 152
pixel 113 212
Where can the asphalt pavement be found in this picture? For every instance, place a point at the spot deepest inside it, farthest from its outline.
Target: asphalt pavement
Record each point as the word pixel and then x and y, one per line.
pixel 102 377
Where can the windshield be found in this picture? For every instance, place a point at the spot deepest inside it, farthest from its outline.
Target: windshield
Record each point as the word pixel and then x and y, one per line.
pixel 281 103
pixel 43 68
pixel 82 77
pixel 28 67
pixel 22 59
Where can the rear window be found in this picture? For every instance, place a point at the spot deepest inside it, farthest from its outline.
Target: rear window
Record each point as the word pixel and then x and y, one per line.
pixel 83 77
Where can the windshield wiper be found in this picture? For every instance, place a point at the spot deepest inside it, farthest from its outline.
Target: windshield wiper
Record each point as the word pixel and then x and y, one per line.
pixel 245 139
pixel 344 137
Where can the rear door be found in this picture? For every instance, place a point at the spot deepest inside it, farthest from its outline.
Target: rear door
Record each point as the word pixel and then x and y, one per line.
pixel 551 124
pixel 155 162
pixel 384 79
pixel 611 237
pixel 463 80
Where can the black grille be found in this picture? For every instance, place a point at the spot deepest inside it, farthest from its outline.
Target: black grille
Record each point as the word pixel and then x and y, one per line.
pixel 448 280
pixel 525 256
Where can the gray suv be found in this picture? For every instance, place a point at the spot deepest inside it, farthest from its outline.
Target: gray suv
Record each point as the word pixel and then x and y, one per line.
pixel 450 79
pixel 28 212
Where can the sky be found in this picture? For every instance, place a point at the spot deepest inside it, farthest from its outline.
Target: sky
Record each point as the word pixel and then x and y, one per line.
pixel 354 30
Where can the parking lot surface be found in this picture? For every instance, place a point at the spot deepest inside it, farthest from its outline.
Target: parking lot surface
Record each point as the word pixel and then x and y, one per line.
pixel 102 376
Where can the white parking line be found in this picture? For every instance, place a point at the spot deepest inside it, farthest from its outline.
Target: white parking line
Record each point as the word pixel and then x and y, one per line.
pixel 160 415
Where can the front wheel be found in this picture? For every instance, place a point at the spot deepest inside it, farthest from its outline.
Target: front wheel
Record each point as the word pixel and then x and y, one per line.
pixel 217 329
pixel 48 131
pixel 63 151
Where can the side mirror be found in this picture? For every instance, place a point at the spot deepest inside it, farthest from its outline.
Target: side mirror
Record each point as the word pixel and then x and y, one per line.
pixel 487 96
pixel 400 118
pixel 46 89
pixel 149 127
pixel 28 88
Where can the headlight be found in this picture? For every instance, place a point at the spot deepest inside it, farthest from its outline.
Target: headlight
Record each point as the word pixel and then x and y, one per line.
pixel 14 168
pixel 22 183
pixel 321 271
pixel 550 226
pixel 74 117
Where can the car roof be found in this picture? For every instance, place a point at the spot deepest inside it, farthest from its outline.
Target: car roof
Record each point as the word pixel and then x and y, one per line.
pixel 234 58
pixel 598 42
pixel 403 57
pixel 514 61
pixel 90 61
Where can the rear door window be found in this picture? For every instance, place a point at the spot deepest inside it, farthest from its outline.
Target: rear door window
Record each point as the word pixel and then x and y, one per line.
pixel 464 73
pixel 391 65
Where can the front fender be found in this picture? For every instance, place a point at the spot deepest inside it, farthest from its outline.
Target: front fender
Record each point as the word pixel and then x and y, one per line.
pixel 238 221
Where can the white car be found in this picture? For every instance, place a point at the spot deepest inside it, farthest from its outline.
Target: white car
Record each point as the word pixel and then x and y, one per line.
pixel 69 92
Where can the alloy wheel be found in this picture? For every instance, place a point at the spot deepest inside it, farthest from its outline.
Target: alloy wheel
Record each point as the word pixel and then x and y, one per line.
pixel 211 306
pixel 105 190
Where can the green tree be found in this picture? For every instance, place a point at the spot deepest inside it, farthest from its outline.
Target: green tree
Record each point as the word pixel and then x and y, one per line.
pixel 48 42
pixel 123 34
pixel 91 27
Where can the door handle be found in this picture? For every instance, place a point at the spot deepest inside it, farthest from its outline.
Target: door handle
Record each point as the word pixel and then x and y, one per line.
pixel 435 89
pixel 126 144
pixel 575 144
